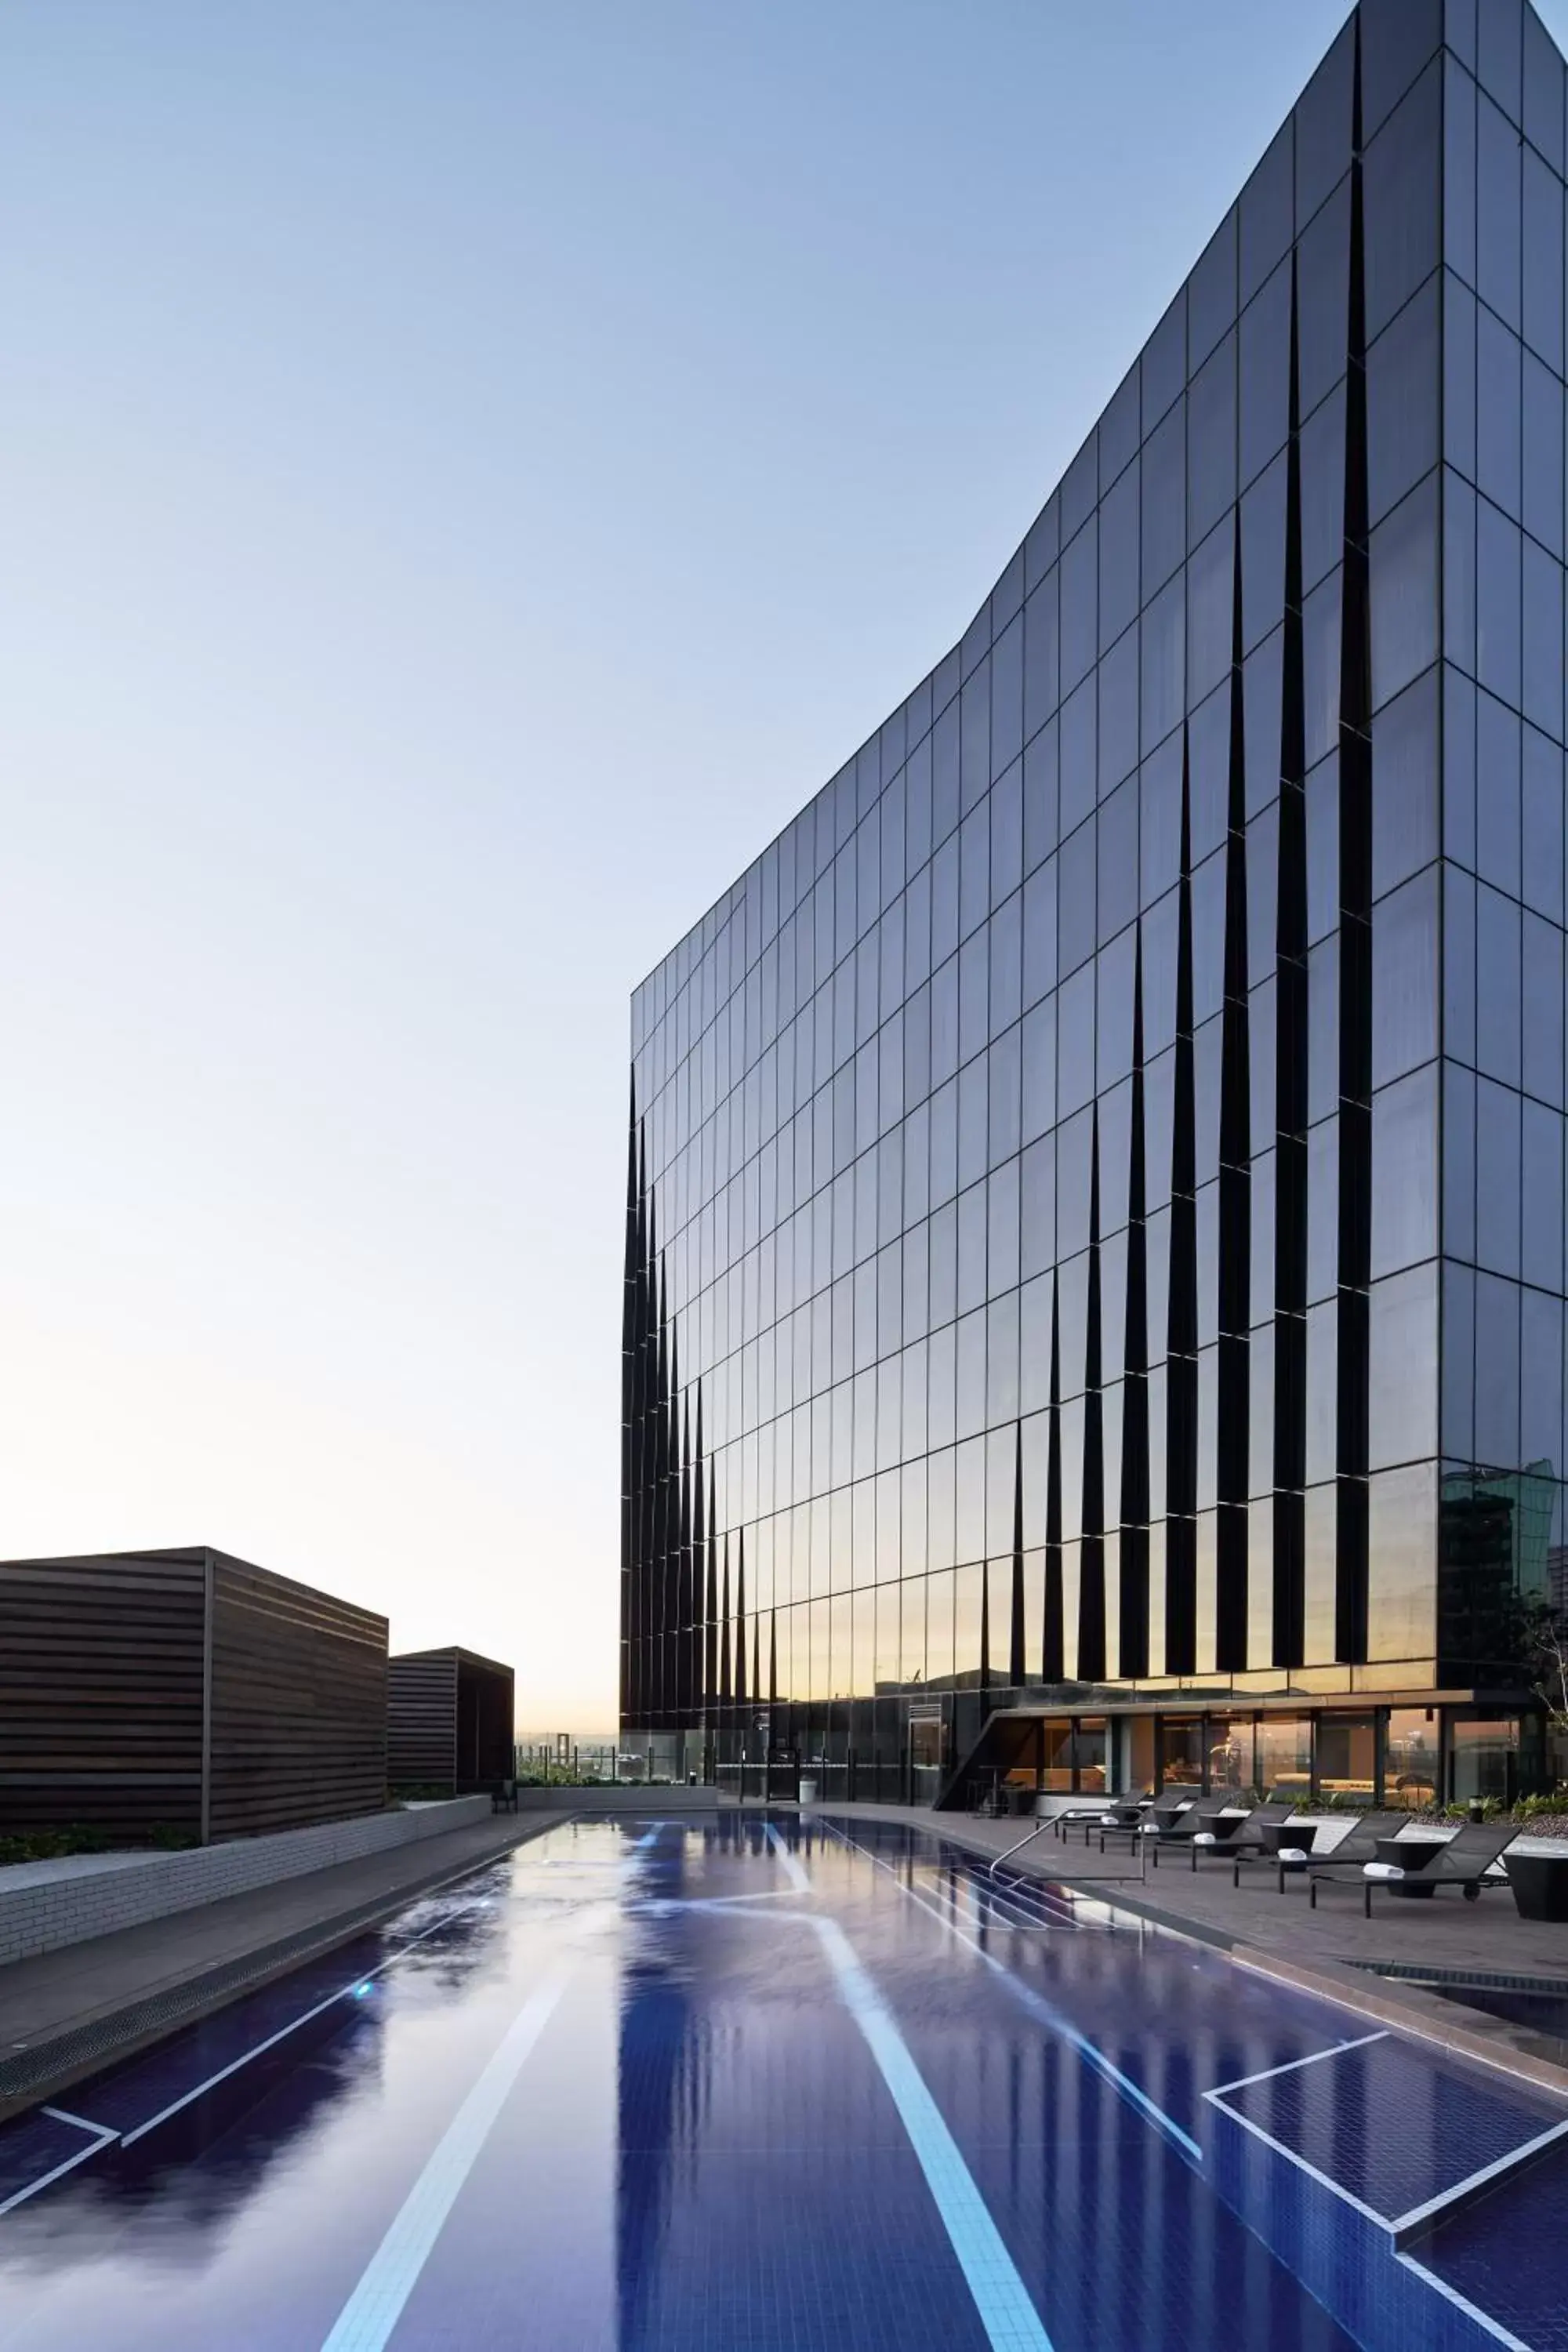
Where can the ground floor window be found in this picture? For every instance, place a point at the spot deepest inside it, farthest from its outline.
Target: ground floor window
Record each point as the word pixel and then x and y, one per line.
pixel 1056 1756
pixel 1230 1753
pixel 1181 1752
pixel 1483 1759
pixel 1347 1757
pixel 1139 1776
pixel 1410 1757
pixel 1088 1750
pixel 1285 1756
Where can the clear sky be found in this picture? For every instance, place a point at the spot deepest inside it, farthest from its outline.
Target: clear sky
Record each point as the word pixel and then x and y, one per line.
pixel 469 470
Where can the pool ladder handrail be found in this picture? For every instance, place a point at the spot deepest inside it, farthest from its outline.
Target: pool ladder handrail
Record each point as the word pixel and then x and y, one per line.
pixel 1044 1823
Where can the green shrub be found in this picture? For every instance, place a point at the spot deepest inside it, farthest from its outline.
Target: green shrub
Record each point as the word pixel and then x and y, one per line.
pixel 1529 1809
pixel 52 1846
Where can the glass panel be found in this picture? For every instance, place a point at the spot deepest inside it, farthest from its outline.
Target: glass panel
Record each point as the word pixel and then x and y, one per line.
pixel 1346 1753
pixel 1483 1760
pixel 1056 1749
pixel 1181 1752
pixel 1141 1754
pixel 1230 1746
pixel 1410 1757
pixel 1285 1756
pixel 1090 1749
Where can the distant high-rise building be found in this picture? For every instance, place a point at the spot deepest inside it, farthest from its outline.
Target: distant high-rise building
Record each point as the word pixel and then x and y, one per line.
pixel 1095 1276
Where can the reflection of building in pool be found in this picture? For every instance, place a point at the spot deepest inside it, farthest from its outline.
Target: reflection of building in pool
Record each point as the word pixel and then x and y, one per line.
pixel 1095 1196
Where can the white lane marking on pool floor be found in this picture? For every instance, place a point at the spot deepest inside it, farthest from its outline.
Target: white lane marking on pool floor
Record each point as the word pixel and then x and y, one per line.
pixel 82 2123
pixel 101 2140
pixel 1463 2190
pixel 1050 2017
pixel 794 1870
pixel 1008 2317
pixel 374 2309
pixel 1494 2327
pixel 355 1988
pixel 1291 2065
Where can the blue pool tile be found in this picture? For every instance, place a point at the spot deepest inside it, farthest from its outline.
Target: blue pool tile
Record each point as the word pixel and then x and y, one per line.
pixel 1392 2124
pixel 1505 2254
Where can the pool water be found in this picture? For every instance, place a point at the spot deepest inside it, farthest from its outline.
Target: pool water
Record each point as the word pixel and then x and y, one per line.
pixel 729 2084
pixel 1543 2012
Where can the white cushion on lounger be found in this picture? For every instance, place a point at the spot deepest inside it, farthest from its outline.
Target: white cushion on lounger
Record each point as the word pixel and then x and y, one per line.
pixel 1292 1853
pixel 1205 1837
pixel 1382 1870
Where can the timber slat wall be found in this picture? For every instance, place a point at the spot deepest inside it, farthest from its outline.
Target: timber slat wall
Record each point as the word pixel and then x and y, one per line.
pixel 103 1664
pixel 298 1703
pixel 100 1692
pixel 422 1719
pixel 450 1719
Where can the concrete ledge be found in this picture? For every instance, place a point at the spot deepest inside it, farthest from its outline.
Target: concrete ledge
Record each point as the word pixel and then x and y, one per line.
pixel 623 1797
pixel 49 1909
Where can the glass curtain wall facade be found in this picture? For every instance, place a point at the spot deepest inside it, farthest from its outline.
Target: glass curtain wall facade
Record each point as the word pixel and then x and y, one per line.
pixel 1095 1186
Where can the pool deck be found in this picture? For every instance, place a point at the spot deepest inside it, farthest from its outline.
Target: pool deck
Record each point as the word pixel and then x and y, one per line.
pixel 1331 1950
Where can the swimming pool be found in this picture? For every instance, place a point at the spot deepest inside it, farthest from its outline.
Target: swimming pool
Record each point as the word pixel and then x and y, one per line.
pixel 734 2084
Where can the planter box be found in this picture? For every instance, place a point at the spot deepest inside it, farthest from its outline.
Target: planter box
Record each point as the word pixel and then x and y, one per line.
pixel 1540 1883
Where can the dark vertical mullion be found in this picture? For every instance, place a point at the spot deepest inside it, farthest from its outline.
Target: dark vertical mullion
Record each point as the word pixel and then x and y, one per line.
pixel 724 1683
pixel 1133 1613
pixel 631 1335
pixel 1053 1638
pixel 1355 963
pixel 1290 1080
pixel 1182 1325
pixel 1091 1556
pixel 1017 1664
pixel 711 1604
pixel 1234 1251
pixel 682 1613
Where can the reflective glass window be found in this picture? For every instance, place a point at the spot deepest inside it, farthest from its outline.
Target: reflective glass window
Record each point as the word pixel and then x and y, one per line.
pixel 1498 211
pixel 1543 454
pixel 1211 440
pixel 1404 1171
pixel 1118 518
pixel 1498 412
pixel 1079 605
pixel 1405 785
pixel 1404 591
pixel 1285 1756
pixel 1403 208
pixel 1402 1541
pixel 1403 1369
pixel 1541 308
pixel 1264 373
pixel 1404 976
pixel 1402 381
pixel 1411 1750
pixel 1347 1752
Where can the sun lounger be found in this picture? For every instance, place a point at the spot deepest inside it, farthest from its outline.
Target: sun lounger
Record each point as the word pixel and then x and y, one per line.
pixel 1193 1820
pixel 1248 1843
pixel 1352 1851
pixel 1466 1862
pixel 1148 1822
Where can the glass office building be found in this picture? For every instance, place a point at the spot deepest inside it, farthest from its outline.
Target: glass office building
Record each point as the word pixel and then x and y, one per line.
pixel 1095 1283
